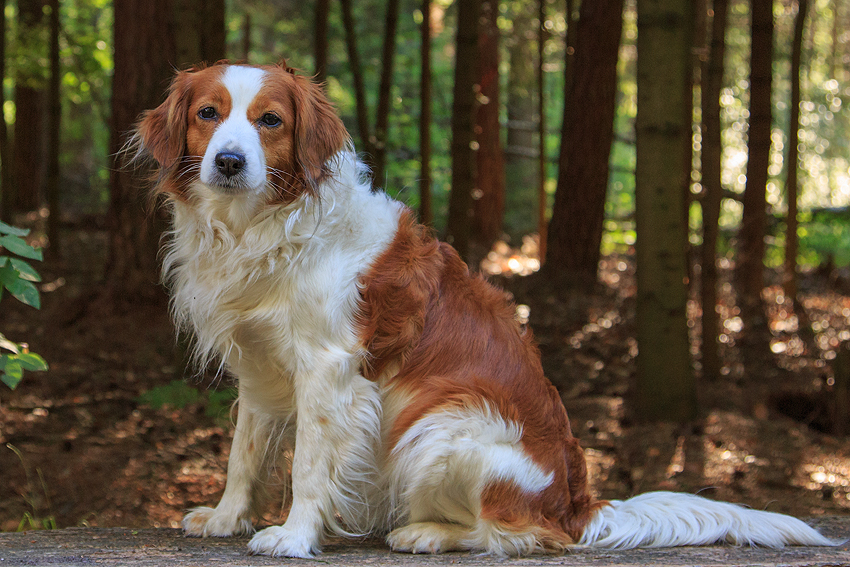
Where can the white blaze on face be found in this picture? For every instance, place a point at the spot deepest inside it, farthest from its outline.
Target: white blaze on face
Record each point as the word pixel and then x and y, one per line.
pixel 236 134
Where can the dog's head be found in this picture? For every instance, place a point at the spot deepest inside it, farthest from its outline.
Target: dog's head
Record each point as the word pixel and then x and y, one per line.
pixel 242 129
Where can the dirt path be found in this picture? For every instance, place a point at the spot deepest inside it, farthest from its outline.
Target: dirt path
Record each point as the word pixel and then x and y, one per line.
pixel 167 547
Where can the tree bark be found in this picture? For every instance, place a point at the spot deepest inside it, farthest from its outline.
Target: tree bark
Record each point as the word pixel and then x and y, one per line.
pixel 665 386
pixel 575 229
pixel 145 55
pixel 791 240
pixel 382 114
pixel 357 77
pixel 463 132
pixel 426 214
pixel 521 147
pixel 750 262
pixel 199 39
pixel 55 120
pixel 6 195
pixel 320 39
pixel 246 36
pixel 712 151
pixel 542 160
pixel 489 193
pixel 29 158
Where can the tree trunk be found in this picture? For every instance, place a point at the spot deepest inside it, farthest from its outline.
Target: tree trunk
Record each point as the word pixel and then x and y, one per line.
pixel 382 114
pixel 665 385
pixel 575 229
pixel 5 159
pixel 55 120
pixel 463 133
pixel 521 147
pixel 750 263
pixel 712 152
pixel 373 142
pixel 791 241
pixel 542 160
pixel 145 56
pixel 246 36
pixel 426 214
pixel 489 193
pixel 357 77
pixel 29 160
pixel 199 39
pixel 320 47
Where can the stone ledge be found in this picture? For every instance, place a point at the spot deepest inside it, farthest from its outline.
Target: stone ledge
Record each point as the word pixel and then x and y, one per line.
pixel 167 547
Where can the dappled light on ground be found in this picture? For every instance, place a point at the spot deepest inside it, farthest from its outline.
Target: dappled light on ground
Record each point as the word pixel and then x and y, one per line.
pixel 108 458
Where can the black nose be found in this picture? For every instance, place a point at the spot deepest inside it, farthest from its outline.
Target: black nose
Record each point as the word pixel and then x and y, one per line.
pixel 229 163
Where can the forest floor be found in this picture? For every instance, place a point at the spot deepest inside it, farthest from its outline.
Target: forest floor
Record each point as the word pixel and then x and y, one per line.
pixel 89 452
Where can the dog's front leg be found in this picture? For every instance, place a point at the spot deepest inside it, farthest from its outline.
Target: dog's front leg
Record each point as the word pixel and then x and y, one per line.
pixel 337 423
pixel 232 516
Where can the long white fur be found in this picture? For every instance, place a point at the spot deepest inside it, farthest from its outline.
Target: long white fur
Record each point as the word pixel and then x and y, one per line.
pixel 665 519
pixel 272 291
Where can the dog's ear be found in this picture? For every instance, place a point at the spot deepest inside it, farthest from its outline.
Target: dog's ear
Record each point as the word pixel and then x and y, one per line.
pixel 319 132
pixel 161 132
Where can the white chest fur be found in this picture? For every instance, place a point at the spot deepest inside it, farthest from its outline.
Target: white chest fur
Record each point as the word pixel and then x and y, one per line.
pixel 272 290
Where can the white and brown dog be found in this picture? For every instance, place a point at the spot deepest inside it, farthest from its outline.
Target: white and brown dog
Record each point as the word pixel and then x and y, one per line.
pixel 413 402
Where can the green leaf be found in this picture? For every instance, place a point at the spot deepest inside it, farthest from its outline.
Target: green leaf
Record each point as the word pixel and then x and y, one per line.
pixel 31 361
pixel 8 345
pixel 27 272
pixel 12 374
pixel 24 291
pixel 9 229
pixel 19 246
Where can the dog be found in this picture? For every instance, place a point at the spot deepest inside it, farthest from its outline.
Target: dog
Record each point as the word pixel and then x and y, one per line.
pixel 413 402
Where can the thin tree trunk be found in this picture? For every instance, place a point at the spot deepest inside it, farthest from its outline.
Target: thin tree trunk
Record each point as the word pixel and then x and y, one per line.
pixel 712 152
pixel 665 386
pixel 5 161
pixel 463 133
pixel 791 241
pixel 541 128
pixel 29 160
pixel 750 263
pixel 575 229
pixel 489 194
pixel 382 114
pixel 426 215
pixel 246 36
pixel 521 167
pixel 357 77
pixel 55 119
pixel 320 47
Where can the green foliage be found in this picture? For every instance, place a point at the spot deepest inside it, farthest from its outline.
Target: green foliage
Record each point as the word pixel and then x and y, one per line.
pixel 178 394
pixel 17 276
pixel 34 520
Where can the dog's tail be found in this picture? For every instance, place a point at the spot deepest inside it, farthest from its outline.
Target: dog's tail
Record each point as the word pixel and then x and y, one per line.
pixel 665 519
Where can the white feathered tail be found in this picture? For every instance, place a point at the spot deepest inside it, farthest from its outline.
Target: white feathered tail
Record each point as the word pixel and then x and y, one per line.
pixel 667 519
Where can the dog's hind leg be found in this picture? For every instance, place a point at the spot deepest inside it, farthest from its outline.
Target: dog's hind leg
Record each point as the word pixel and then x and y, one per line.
pixel 451 474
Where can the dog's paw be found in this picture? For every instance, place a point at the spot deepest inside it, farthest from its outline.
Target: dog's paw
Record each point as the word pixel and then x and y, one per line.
pixel 280 541
pixel 427 537
pixel 208 522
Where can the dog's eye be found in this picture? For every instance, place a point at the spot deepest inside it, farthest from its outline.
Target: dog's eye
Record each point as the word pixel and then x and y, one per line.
pixel 208 113
pixel 270 119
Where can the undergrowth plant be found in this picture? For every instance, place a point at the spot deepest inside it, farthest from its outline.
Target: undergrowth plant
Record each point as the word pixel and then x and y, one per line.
pixel 17 277
pixel 34 520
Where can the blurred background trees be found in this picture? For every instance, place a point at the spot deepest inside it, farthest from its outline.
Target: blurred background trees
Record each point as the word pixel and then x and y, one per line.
pixel 443 99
